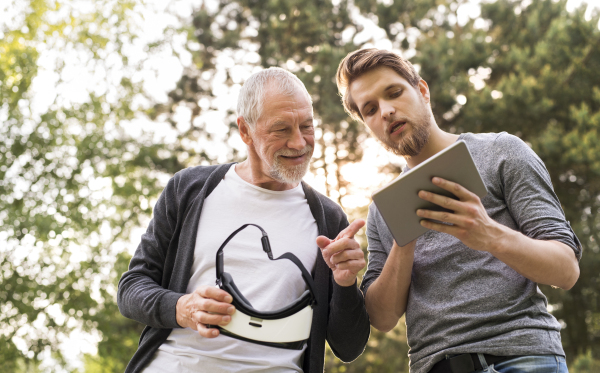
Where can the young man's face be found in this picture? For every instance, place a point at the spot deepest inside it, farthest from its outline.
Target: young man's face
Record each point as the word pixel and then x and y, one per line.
pixel 284 136
pixel 397 113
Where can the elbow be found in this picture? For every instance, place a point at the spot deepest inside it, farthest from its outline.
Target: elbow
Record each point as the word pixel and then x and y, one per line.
pixel 350 355
pixel 384 326
pixel 121 301
pixel 572 277
pixel 384 323
pixel 381 317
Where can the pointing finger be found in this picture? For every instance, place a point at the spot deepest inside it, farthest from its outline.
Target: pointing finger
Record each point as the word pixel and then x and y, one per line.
pixel 352 229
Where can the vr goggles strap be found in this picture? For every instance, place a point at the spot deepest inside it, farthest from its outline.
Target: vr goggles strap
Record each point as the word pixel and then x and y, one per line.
pixel 305 275
pixel 267 248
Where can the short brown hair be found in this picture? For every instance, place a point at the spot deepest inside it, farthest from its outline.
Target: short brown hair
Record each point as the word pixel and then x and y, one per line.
pixel 361 61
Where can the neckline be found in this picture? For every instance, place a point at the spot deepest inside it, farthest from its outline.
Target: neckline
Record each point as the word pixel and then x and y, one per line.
pixel 238 179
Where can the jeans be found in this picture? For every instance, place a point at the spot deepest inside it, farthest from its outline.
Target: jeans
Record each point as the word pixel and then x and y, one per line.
pixel 527 364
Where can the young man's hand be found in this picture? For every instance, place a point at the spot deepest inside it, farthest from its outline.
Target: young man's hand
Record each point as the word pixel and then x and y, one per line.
pixel 207 305
pixel 470 222
pixel 344 255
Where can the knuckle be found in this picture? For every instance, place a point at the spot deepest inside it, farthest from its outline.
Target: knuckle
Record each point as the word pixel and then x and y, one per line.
pixel 343 258
pixel 205 332
pixel 204 304
pixel 203 318
pixel 336 260
pixel 222 308
pixel 209 319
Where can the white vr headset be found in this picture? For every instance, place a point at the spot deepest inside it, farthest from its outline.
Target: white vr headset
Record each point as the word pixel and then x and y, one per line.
pixel 288 327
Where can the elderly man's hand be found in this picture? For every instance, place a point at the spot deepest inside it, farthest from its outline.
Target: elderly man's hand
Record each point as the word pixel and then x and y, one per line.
pixel 207 305
pixel 343 255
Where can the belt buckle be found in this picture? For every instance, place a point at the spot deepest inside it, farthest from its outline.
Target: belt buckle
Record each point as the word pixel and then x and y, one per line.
pixel 461 364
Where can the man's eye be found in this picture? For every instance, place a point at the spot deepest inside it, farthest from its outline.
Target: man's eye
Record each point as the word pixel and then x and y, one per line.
pixel 371 111
pixel 396 94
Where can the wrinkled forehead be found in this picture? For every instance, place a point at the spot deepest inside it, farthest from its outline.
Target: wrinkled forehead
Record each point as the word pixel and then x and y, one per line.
pixel 287 106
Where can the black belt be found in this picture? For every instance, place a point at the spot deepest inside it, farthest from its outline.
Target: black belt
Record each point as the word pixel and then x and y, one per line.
pixel 465 363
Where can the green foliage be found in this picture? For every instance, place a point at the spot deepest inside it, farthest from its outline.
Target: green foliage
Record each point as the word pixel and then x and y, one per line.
pixel 530 70
pixel 585 363
pixel 305 37
pixel 73 183
pixel 385 353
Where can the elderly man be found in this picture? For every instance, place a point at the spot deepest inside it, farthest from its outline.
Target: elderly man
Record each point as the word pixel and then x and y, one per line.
pixel 469 285
pixel 170 282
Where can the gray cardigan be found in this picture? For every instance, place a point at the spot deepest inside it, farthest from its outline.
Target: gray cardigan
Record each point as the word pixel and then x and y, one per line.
pixel 160 270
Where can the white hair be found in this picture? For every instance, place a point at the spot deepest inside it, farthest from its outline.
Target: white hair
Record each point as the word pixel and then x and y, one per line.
pixel 251 96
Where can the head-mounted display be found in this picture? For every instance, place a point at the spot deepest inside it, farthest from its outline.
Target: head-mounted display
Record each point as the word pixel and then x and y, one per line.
pixel 288 327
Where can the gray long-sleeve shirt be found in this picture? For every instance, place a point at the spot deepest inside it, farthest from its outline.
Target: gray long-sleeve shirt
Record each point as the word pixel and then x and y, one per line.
pixel 467 301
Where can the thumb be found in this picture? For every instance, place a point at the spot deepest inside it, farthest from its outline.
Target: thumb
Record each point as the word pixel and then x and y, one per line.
pixel 323 241
pixel 352 229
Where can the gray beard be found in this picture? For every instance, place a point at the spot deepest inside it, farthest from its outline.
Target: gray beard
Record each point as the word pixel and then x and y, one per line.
pixel 287 174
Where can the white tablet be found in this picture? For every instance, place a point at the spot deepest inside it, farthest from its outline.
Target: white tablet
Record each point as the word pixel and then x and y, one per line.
pixel 398 201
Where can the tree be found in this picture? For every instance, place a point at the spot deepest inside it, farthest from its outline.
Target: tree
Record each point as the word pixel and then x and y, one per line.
pixel 72 181
pixel 484 74
pixel 528 69
pixel 75 179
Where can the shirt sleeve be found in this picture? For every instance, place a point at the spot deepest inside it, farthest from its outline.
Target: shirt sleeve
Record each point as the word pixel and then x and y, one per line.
pixel 348 328
pixel 529 194
pixel 140 295
pixel 377 253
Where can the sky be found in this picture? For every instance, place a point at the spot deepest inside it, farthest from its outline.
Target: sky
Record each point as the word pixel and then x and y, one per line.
pixel 161 69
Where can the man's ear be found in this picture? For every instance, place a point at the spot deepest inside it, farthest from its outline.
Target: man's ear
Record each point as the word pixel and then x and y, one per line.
pixel 244 129
pixel 424 90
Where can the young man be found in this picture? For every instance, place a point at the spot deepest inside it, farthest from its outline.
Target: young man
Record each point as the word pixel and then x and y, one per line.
pixel 170 282
pixel 468 287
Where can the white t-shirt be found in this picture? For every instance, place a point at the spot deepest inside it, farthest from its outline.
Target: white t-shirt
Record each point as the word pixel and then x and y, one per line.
pixel 268 285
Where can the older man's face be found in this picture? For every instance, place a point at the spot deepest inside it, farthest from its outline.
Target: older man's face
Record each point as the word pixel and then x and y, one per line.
pixel 284 136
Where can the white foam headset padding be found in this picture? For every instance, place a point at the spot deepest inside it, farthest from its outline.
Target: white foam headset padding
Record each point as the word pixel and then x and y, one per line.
pixel 288 329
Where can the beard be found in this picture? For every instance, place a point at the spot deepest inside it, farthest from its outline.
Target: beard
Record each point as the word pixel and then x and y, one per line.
pixel 411 144
pixel 290 174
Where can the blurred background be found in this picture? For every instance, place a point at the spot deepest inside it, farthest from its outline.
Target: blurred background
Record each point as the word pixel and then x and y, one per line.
pixel 101 102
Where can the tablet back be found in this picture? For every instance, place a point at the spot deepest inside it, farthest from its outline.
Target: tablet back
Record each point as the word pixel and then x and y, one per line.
pixel 398 201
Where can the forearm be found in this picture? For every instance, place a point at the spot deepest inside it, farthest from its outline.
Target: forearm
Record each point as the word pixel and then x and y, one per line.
pixel 141 299
pixel 386 298
pixel 348 328
pixel 544 262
